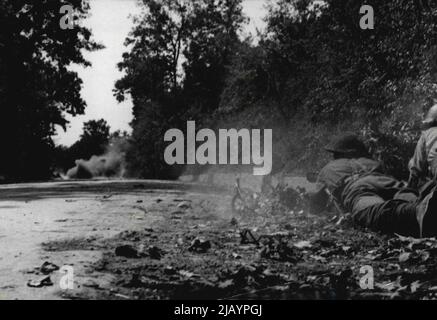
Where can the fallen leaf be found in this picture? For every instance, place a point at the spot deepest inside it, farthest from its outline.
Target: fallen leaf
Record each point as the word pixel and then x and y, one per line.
pixel 39 283
pixel 303 244
pixel 186 274
pixel 226 284
pixel 414 286
pixel 404 256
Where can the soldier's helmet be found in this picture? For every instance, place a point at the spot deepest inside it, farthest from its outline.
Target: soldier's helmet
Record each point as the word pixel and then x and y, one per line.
pixel 431 116
pixel 348 143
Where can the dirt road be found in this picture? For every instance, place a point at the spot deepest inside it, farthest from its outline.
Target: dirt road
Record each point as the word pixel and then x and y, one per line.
pixel 167 240
pixel 67 223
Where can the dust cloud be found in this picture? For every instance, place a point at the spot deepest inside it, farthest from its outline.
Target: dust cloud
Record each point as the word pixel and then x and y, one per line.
pixel 109 165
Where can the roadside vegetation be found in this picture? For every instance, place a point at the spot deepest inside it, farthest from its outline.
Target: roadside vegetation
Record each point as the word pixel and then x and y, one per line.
pixel 312 73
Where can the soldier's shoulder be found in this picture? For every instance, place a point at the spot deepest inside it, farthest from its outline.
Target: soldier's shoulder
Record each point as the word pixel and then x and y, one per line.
pixel 336 163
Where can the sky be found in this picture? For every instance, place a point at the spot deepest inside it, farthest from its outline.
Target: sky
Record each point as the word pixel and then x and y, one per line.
pixel 110 21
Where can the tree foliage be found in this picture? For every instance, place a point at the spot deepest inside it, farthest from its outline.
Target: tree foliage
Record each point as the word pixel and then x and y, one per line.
pixel 175 70
pixel 93 140
pixel 316 64
pixel 36 86
pixel 313 72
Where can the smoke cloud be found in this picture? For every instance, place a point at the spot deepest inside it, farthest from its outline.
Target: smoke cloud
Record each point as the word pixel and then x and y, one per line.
pixel 109 165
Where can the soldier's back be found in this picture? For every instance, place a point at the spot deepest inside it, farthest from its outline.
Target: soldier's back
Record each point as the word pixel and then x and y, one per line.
pixel 336 171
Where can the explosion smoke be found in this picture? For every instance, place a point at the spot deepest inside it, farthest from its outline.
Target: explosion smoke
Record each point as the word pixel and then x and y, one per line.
pixel 109 165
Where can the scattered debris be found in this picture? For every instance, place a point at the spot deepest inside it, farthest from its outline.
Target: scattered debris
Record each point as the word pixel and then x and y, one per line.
pixel 200 245
pixel 226 284
pixel 169 270
pixel 89 283
pixel 184 205
pixel 272 201
pixel 236 255
pixel 155 252
pixel 247 237
pixel 303 245
pixel 404 257
pixel 186 274
pixel 39 283
pixel 48 267
pixel 126 251
pixel 274 253
pixel 279 249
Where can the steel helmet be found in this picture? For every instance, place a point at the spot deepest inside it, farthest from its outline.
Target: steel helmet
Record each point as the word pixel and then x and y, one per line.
pixel 431 116
pixel 347 143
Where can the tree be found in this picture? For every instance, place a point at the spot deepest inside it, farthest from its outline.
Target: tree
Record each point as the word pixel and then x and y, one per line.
pixel 151 66
pixel 214 27
pixel 93 140
pixel 36 87
pixel 175 70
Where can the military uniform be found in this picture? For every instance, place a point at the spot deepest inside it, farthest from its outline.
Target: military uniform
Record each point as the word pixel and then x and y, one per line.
pixel 376 201
pixel 423 165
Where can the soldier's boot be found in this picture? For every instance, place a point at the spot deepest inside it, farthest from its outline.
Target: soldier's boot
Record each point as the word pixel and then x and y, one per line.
pixel 426 213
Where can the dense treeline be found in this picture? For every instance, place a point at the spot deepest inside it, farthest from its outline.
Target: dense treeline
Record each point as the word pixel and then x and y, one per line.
pixel 314 73
pixel 310 75
pixel 36 87
pixel 325 69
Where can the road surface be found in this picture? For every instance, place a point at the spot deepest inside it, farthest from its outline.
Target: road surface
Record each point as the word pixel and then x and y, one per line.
pixel 53 222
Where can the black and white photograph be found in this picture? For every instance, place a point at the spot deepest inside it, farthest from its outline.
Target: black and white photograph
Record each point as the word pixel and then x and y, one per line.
pixel 230 151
